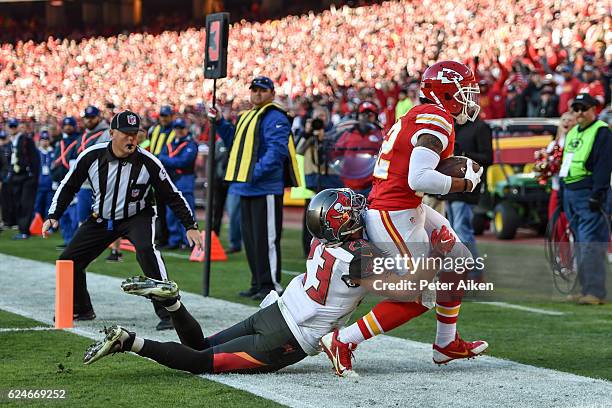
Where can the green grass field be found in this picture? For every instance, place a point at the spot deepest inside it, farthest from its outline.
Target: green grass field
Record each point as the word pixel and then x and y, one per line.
pixel 577 342
pixel 56 358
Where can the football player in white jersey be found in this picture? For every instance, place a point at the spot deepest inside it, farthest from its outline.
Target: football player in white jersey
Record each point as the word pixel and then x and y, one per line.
pixel 340 271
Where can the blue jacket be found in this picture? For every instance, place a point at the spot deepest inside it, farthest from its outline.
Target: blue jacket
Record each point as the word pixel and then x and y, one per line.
pixel 268 174
pixel 58 169
pixel 46 159
pixel 179 161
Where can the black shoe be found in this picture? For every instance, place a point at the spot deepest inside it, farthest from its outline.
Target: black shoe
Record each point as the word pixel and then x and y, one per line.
pixel 249 292
pixel 233 250
pixel 261 294
pixel 164 324
pixel 90 315
pixel 115 256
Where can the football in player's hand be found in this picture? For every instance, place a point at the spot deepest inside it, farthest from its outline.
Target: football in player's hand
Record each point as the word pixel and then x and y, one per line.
pixel 455 166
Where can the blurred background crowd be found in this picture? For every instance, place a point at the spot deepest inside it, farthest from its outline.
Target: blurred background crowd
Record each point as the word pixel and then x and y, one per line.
pixel 531 57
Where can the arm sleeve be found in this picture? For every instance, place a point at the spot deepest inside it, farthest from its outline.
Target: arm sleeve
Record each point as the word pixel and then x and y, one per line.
pixel 163 157
pixel 276 139
pixel 225 130
pixel 422 174
pixel 69 186
pixel 166 188
pixel 602 165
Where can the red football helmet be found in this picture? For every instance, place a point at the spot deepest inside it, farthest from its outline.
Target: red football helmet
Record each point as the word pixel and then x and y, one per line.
pixel 453 86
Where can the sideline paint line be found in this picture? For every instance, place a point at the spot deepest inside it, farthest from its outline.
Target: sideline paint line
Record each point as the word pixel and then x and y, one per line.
pixel 20 329
pixel 388 363
pixel 184 256
pixel 524 308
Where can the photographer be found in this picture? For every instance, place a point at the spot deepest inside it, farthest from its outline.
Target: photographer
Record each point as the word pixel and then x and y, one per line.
pixel 357 148
pixel 315 145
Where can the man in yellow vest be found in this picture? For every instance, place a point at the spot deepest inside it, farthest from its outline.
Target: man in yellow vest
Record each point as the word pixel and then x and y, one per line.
pixel 585 174
pixel 261 164
pixel 159 135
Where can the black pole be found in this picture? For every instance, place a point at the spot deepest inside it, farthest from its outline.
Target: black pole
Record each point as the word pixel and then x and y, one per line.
pixel 210 177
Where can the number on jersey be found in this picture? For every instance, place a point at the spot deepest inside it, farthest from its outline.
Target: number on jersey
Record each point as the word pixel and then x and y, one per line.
pixel 381 170
pixel 317 286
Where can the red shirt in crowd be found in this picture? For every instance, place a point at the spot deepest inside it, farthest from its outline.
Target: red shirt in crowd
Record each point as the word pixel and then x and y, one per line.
pixel 492 105
pixel 596 90
pixel 569 90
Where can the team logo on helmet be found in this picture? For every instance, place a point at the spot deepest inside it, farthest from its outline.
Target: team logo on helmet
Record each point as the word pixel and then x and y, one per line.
pixel 338 215
pixel 448 76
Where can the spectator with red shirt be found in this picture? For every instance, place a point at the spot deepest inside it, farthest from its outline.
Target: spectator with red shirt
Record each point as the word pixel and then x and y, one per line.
pixel 569 88
pixel 491 101
pixel 593 86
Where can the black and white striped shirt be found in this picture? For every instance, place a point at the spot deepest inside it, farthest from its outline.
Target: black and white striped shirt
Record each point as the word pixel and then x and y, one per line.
pixel 120 186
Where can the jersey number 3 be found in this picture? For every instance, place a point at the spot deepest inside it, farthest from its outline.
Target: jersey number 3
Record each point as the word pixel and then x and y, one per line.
pixel 319 284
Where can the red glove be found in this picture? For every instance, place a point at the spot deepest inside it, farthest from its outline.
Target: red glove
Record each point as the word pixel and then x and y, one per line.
pixel 442 241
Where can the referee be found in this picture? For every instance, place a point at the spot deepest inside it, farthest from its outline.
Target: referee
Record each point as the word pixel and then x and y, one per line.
pixel 121 176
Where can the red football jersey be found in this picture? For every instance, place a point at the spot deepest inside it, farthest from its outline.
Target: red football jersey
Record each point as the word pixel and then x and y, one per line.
pixel 390 190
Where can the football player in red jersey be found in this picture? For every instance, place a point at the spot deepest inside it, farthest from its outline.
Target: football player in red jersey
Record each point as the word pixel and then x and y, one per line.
pixel 397 221
pixel 340 270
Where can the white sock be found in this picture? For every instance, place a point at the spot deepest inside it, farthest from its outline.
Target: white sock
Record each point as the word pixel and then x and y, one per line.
pixel 174 307
pixel 445 333
pixel 351 334
pixel 138 343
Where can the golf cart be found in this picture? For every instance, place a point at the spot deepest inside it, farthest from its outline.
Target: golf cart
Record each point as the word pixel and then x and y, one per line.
pixel 513 196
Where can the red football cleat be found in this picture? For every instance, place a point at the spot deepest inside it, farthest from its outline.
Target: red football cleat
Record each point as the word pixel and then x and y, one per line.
pixel 340 354
pixel 458 349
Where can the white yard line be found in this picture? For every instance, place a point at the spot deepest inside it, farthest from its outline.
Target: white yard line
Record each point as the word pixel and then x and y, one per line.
pixel 184 256
pixel 22 329
pixel 394 371
pixel 174 255
pixel 524 308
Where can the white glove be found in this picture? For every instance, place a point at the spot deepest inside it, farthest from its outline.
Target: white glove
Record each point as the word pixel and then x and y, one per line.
pixel 472 175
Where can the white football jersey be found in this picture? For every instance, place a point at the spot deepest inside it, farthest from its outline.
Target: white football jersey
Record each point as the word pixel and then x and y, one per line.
pixel 323 298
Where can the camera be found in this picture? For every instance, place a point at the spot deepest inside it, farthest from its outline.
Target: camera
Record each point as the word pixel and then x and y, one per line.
pixel 317 124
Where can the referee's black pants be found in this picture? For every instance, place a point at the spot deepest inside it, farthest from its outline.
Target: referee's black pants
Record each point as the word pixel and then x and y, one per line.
pixel 261 224
pixel 94 236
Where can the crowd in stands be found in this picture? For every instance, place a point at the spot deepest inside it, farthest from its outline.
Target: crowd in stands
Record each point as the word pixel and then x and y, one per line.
pixel 531 58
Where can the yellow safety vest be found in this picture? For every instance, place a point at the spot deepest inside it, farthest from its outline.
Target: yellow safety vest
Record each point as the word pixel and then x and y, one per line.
pixel 158 139
pixel 243 154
